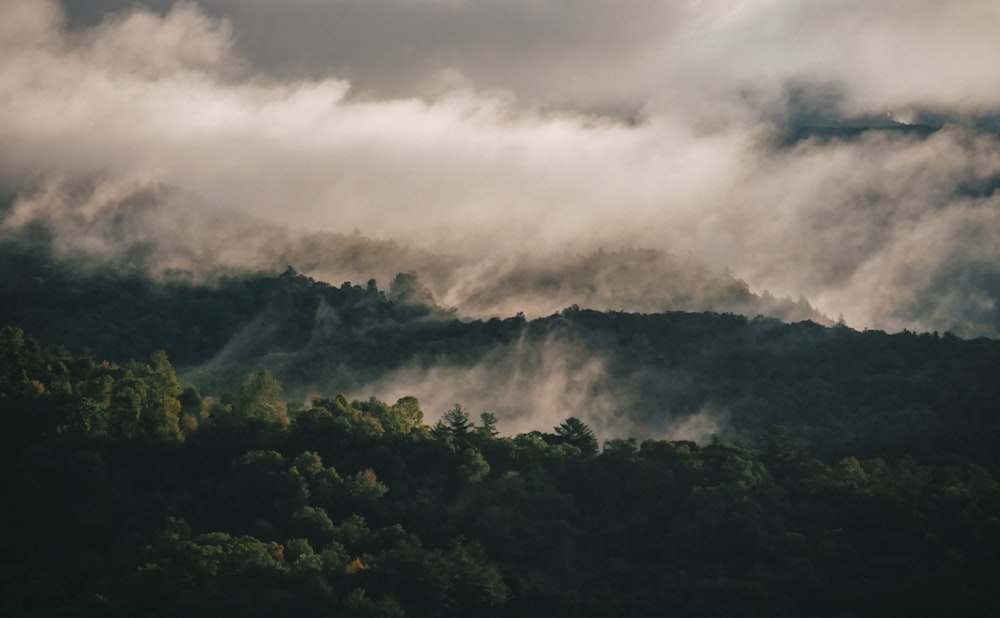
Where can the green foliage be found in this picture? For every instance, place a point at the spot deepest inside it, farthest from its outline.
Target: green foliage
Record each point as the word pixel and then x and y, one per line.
pixel 835 387
pixel 360 419
pixel 869 487
pixel 313 524
pixel 487 427
pixel 473 467
pixel 409 408
pixel 574 431
pixel 259 398
pixel 365 485
pixel 454 423
pixel 407 289
pixel 297 549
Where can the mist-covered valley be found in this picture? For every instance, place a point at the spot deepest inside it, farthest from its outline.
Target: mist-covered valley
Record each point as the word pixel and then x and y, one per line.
pixel 395 308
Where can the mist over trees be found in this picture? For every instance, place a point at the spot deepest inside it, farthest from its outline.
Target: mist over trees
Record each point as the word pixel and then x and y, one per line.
pixel 581 463
pixel 128 495
pixel 827 176
pixel 678 375
pixel 133 233
pixel 660 308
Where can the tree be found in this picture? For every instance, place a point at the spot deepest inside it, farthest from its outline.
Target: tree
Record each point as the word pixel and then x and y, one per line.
pixel 574 431
pixel 162 415
pixel 365 484
pixel 191 408
pixel 409 407
pixel 259 398
pixel 455 422
pixel 406 289
pixel 487 425
pixel 473 467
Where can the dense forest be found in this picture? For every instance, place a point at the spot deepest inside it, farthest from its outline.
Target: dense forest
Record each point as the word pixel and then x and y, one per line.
pixel 845 392
pixel 130 495
pixel 852 473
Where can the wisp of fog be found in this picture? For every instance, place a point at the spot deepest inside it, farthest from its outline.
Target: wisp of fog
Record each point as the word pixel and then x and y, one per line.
pixel 845 154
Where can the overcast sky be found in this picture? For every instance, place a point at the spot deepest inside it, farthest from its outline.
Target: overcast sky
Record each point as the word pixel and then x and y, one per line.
pixel 495 126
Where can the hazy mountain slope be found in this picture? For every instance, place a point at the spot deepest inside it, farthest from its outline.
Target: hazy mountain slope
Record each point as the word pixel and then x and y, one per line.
pixel 135 231
pixel 669 374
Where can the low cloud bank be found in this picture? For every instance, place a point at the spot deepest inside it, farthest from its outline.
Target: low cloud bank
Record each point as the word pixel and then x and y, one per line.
pixel 184 109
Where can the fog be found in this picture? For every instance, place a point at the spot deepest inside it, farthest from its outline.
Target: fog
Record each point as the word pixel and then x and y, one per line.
pixel 844 154
pixel 524 149
pixel 798 159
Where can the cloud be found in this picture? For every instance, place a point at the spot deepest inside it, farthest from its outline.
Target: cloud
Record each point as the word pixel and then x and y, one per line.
pixel 301 152
pixel 607 54
pixel 536 384
pixel 397 48
pixel 859 224
pixel 489 129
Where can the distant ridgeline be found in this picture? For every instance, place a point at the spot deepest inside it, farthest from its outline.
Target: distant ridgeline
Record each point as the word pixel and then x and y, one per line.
pixel 128 495
pixel 845 392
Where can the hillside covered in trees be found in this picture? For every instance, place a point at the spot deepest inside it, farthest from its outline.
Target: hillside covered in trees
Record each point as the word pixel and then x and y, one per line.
pixel 835 472
pixel 130 495
pixel 647 375
pixel 499 308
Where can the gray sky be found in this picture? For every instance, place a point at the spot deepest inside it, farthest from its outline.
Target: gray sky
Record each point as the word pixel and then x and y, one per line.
pixel 499 126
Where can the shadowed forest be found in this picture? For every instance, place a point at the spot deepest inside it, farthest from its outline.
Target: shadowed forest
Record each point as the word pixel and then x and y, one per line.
pixel 828 471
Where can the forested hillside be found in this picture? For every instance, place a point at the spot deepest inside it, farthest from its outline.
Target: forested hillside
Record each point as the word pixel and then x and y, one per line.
pixel 847 472
pixel 130 495
pixel 499 308
pixel 680 375
pixel 131 234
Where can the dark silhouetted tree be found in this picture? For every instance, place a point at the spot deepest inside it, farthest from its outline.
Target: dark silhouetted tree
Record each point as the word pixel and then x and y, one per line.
pixel 576 432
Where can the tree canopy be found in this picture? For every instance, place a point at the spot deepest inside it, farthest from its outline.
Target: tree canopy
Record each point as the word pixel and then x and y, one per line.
pixel 357 508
